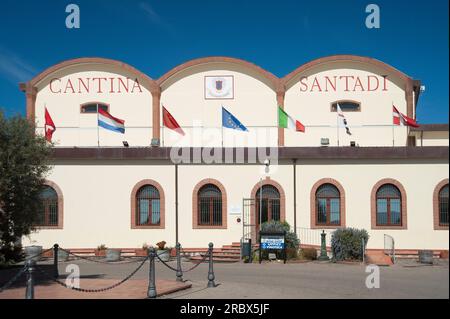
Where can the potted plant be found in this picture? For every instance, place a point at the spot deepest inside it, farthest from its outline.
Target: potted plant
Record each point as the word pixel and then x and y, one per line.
pixel 162 252
pixel 142 252
pixel 100 251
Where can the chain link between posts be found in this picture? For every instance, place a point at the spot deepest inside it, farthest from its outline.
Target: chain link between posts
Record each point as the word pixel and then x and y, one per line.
pixel 92 290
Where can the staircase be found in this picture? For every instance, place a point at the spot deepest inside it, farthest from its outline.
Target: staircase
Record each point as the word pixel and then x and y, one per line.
pixel 226 254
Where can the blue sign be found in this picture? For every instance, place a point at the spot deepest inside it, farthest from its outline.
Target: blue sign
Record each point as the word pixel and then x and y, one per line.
pixel 272 242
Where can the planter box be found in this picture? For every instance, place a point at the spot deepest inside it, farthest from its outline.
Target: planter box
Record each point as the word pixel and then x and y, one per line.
pixel 100 253
pixel 164 255
pixel 112 254
pixel 33 251
pixel 141 252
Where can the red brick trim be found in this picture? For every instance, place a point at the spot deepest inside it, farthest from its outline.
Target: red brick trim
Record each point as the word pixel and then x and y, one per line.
pixel 280 189
pixel 162 201
pixel 60 206
pixel 220 59
pixel 312 199
pixel 195 204
pixel 436 191
pixel 373 204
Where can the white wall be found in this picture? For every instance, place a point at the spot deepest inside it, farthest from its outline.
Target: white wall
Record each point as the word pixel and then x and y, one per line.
pixel 97 200
pixel 77 129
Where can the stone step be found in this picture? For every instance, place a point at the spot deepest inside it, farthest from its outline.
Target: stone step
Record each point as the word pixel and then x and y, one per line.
pixel 198 259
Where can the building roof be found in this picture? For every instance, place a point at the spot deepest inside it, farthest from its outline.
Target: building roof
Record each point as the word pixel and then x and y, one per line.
pixel 284 153
pixel 431 127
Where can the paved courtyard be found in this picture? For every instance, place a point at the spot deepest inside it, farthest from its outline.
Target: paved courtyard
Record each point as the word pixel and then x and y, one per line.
pixel 406 279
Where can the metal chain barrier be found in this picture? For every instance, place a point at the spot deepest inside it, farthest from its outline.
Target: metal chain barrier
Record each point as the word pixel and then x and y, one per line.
pixel 92 290
pixel 164 263
pixel 200 262
pixel 13 279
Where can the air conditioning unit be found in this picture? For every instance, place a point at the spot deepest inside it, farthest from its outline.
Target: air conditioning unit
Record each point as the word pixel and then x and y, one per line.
pixel 324 141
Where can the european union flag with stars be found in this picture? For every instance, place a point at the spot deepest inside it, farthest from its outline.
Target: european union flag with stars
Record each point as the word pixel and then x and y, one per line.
pixel 228 120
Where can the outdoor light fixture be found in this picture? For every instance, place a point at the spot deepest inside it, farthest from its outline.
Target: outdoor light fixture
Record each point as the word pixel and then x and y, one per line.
pixel 324 141
pixel 155 142
pixel 352 143
pixel 125 143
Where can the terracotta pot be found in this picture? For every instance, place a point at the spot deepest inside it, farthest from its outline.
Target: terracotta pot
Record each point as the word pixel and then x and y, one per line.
pixel 444 254
pixel 173 252
pixel 100 253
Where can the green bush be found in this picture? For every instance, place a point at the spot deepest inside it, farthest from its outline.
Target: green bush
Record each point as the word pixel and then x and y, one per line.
pixel 346 243
pixel 292 241
pixel 308 253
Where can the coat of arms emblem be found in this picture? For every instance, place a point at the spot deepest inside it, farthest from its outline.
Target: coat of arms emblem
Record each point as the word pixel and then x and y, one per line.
pixel 219 87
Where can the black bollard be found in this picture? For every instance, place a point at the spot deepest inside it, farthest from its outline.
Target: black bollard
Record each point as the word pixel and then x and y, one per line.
pixel 29 292
pixel 179 270
pixel 211 277
pixel 55 260
pixel 151 293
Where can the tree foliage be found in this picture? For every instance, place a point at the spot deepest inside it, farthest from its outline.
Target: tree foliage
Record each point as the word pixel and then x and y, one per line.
pixel 24 159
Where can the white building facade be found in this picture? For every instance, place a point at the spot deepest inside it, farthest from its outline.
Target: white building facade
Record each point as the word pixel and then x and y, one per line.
pixel 204 186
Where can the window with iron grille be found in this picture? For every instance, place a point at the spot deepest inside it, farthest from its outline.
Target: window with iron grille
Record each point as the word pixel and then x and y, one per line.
pixel 389 206
pixel 148 206
pixel 48 212
pixel 269 203
pixel 328 205
pixel 443 206
pixel 209 206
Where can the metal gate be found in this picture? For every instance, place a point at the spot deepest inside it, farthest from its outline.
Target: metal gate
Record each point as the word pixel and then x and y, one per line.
pixel 248 229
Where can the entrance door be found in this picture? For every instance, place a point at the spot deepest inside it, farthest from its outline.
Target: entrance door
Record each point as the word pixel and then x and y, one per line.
pixel 267 205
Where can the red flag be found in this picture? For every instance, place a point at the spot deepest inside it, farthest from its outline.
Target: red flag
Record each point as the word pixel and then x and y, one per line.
pixel 170 122
pixel 401 119
pixel 49 126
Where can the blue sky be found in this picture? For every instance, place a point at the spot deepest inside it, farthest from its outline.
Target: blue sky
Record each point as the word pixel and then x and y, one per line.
pixel 280 35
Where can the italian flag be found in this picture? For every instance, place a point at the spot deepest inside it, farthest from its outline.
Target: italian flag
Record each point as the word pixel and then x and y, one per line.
pixel 285 121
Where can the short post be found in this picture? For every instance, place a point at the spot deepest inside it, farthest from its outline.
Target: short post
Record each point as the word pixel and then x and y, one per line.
pixel 179 270
pixel 55 260
pixel 151 293
pixel 363 250
pixel 211 277
pixel 29 292
pixel 323 247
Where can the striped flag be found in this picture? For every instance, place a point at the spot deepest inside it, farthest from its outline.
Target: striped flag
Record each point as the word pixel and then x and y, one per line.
pixel 344 120
pixel 110 122
pixel 285 121
pixel 401 119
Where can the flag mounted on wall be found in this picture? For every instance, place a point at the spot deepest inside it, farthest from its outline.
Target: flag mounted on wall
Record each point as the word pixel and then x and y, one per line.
pixel 49 126
pixel 230 121
pixel 110 122
pixel 285 121
pixel 170 122
pixel 402 119
pixel 344 120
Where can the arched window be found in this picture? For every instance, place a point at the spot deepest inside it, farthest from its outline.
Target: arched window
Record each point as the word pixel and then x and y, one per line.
pixel 267 205
pixel 346 106
pixel 148 206
pixel 328 205
pixel 48 212
pixel 389 206
pixel 92 107
pixel 443 206
pixel 209 206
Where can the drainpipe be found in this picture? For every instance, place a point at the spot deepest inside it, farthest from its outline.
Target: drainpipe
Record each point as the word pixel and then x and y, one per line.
pixel 176 204
pixel 294 162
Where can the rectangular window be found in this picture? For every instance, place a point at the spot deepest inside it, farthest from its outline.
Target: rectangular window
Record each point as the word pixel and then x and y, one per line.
pixel 91 108
pixel 382 211
pixel 334 211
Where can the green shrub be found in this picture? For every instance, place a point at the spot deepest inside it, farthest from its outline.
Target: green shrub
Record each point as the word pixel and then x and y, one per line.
pixel 291 253
pixel 292 240
pixel 308 253
pixel 346 243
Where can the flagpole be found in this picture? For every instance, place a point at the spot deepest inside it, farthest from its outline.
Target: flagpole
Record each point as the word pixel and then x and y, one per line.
pixel 221 110
pixel 337 126
pixel 393 139
pixel 163 127
pixel 98 134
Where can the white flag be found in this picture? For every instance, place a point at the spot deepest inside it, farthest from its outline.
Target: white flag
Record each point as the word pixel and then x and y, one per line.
pixel 344 120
